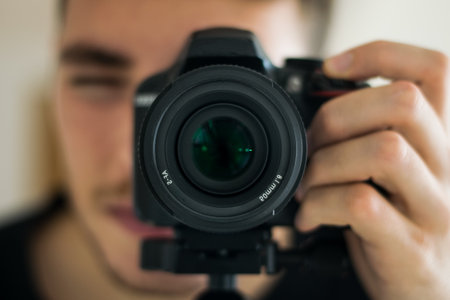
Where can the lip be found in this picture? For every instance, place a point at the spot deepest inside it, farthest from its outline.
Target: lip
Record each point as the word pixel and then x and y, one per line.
pixel 125 216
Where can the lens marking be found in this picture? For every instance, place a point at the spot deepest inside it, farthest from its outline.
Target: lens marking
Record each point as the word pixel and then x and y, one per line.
pixel 269 190
pixel 166 177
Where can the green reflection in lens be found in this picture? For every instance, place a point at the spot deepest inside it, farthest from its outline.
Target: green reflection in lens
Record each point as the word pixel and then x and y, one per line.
pixel 222 148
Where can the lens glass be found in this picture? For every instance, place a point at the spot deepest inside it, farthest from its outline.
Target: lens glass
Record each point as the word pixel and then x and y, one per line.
pixel 222 148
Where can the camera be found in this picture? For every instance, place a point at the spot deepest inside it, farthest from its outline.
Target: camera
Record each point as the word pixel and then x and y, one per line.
pixel 220 148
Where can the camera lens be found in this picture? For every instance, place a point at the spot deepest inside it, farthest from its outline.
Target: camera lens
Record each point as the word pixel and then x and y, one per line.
pixel 222 149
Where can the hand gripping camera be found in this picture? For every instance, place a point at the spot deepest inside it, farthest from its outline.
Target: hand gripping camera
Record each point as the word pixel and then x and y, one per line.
pixel 220 148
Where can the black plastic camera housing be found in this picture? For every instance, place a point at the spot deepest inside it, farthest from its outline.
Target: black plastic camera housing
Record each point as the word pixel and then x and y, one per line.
pixel 220 143
pixel 224 75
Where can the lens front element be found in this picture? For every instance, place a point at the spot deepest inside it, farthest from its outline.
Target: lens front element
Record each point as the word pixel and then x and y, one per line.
pixel 222 148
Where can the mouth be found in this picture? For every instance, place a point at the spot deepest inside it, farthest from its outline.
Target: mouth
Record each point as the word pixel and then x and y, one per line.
pixel 128 220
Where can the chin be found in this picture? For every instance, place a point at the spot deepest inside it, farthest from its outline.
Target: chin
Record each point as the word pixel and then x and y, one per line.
pixel 118 252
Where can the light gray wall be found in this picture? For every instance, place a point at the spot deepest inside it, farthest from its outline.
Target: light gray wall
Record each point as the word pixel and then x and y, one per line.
pixel 424 23
pixel 26 56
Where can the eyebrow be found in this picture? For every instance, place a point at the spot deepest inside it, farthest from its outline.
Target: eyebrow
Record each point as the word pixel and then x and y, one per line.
pixel 91 55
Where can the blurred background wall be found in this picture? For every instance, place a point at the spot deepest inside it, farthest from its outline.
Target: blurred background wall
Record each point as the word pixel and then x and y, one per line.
pixel 28 159
pixel 424 23
pixel 27 48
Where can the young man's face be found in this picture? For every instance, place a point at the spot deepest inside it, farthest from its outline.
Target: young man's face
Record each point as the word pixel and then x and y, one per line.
pixel 107 48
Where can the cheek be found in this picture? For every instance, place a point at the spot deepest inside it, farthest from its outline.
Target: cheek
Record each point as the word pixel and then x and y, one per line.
pixel 93 134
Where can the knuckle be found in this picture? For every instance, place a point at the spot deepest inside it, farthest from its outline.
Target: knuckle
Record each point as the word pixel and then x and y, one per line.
pixel 379 45
pixel 362 202
pixel 438 69
pixel 408 101
pixel 381 51
pixel 390 148
pixel 422 249
pixel 441 59
pixel 421 239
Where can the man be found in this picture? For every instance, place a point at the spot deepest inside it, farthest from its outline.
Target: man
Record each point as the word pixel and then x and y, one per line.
pixel 396 135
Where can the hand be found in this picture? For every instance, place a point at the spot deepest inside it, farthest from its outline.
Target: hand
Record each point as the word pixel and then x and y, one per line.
pixel 397 136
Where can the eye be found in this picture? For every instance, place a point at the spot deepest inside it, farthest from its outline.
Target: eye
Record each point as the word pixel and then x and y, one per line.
pixel 110 81
pixel 99 88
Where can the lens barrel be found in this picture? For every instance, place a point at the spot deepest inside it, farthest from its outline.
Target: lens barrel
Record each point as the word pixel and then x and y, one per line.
pixel 223 148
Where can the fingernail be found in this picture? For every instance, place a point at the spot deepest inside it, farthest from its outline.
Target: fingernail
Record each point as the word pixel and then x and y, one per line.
pixel 339 64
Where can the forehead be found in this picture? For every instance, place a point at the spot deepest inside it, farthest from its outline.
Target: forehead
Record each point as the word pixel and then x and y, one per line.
pixel 159 28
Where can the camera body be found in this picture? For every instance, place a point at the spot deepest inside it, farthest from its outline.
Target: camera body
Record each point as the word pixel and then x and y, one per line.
pixel 220 145
pixel 219 74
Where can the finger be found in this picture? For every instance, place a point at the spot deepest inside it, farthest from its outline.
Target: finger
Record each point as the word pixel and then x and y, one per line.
pixel 388 160
pixel 427 68
pixel 400 106
pixel 359 205
pixel 360 261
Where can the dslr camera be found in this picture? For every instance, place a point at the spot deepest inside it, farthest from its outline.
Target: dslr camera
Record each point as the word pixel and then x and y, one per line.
pixel 220 148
